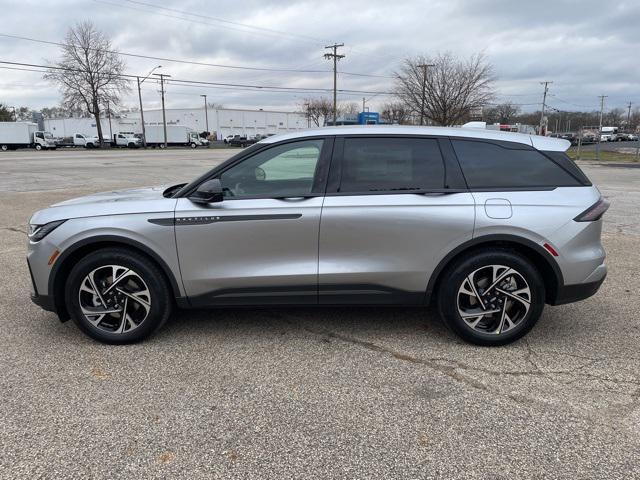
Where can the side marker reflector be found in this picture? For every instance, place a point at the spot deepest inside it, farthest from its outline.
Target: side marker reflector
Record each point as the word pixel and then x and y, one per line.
pixel 550 249
pixel 53 256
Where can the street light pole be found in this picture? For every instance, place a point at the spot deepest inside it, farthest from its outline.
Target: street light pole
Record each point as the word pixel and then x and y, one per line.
pixel 140 82
pixel 164 115
pixel 206 114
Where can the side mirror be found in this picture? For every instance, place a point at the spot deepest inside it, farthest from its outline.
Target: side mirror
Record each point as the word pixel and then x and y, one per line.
pixel 208 192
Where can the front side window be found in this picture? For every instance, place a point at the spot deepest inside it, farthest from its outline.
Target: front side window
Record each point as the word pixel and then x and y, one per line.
pixel 391 165
pixel 489 165
pixel 281 171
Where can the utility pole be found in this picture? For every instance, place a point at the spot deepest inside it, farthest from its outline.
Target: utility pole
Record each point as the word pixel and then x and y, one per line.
pixel 164 115
pixel 307 107
pixel 544 104
pixel 206 114
pixel 424 67
pixel 364 102
pixel 335 58
pixel 109 115
pixel 140 82
pixel 602 97
pixel 629 117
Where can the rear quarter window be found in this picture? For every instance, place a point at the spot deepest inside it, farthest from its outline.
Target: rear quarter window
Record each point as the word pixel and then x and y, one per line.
pixel 488 165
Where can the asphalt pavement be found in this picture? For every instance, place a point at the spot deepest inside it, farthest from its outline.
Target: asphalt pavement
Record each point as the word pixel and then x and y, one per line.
pixel 310 393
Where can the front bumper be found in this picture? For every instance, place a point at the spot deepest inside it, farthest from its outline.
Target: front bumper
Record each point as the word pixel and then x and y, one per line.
pixel 45 302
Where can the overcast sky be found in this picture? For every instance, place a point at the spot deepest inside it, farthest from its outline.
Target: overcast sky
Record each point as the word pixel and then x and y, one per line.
pixel 587 48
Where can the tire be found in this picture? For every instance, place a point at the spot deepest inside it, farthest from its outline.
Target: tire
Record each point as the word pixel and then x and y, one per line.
pixel 162 146
pixel 4 148
pixel 38 147
pixel 147 305
pixel 457 296
pixel 193 145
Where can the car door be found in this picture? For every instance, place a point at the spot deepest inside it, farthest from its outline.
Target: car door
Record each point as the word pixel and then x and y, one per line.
pixel 260 244
pixel 395 206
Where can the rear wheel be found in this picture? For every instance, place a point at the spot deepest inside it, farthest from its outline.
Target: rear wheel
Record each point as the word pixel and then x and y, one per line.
pixel 117 296
pixel 162 145
pixel 491 298
pixel 4 148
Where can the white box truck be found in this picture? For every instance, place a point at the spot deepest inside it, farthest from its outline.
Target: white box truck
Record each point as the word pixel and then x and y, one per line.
pixel 24 135
pixel 176 135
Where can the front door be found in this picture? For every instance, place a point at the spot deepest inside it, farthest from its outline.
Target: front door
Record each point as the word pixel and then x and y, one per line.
pixel 259 245
pixel 389 216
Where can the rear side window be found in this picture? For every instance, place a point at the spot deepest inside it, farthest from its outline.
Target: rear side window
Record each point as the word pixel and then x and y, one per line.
pixel 564 161
pixel 391 165
pixel 490 165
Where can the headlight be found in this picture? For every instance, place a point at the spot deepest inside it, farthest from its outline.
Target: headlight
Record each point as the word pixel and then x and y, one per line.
pixel 38 232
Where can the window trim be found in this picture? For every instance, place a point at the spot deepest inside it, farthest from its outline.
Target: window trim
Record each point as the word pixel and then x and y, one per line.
pixel 449 169
pixel 507 146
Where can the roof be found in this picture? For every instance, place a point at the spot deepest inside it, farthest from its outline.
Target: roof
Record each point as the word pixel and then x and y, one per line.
pixel 539 142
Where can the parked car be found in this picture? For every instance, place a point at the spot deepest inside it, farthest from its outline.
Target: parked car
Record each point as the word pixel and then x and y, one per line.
pixel 632 137
pixel 488 225
pixel 228 138
pixel 241 141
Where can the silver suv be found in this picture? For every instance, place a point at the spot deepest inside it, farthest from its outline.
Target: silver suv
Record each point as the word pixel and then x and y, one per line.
pixel 491 225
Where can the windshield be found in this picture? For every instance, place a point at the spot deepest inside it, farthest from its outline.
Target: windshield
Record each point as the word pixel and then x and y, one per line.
pixel 48 135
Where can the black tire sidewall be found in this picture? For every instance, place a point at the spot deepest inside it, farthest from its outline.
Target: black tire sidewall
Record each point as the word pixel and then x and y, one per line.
pixel 150 273
pixel 455 275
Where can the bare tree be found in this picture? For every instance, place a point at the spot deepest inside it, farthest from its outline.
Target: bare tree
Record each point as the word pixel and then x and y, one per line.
pixel 396 112
pixel 317 109
pixel 90 72
pixel 503 113
pixel 453 87
pixel 351 108
pixel 5 114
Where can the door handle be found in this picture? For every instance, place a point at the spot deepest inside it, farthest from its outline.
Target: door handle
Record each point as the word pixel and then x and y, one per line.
pixel 293 199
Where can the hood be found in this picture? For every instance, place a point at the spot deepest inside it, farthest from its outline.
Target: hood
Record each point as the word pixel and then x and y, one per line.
pixel 118 202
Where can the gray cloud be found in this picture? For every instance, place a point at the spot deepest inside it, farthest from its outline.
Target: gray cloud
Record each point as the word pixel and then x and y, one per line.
pixel 587 48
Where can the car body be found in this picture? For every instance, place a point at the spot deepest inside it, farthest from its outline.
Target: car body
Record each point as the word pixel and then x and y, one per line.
pixel 341 215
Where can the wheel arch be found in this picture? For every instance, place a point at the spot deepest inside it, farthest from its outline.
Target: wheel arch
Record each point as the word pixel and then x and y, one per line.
pixel 536 254
pixel 68 258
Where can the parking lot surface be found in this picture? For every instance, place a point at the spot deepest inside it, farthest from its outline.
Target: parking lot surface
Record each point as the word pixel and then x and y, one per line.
pixel 310 393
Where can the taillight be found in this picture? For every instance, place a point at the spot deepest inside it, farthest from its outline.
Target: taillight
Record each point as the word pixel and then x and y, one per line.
pixel 594 212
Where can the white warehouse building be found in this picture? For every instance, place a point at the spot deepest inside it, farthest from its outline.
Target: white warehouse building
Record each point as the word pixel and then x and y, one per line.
pixel 222 122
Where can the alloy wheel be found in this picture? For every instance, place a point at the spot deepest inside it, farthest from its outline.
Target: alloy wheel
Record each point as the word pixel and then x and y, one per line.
pixel 114 299
pixel 494 299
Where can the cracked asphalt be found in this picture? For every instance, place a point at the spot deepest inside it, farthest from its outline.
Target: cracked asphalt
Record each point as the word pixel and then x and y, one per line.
pixel 311 393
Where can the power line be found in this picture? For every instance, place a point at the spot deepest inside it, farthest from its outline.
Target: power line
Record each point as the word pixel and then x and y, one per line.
pixel 193 62
pixel 200 82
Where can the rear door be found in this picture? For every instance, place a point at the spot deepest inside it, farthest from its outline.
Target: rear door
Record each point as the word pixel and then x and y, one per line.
pixel 259 245
pixel 395 206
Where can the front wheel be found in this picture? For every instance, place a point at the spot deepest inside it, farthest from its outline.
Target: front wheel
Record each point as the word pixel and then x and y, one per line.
pixel 491 298
pixel 193 145
pixel 117 296
pixel 38 147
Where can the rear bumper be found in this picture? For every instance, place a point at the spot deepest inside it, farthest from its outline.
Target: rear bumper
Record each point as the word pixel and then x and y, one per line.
pixel 575 293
